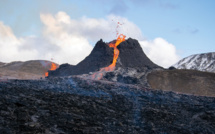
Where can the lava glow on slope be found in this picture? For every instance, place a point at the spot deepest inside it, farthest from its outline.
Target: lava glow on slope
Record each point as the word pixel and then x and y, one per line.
pixel 120 39
pixel 53 67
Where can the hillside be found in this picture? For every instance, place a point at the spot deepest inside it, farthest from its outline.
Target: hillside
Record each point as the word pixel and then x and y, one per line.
pixel 183 81
pixel 202 62
pixel 34 69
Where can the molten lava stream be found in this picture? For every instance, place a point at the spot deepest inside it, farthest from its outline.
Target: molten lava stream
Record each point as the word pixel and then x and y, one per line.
pixel 53 67
pixel 120 39
pixel 111 67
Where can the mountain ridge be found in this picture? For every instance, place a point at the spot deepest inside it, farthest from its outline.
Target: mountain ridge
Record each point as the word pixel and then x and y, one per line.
pixel 202 62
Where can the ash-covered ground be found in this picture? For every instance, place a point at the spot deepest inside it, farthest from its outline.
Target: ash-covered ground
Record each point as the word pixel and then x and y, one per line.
pixel 75 105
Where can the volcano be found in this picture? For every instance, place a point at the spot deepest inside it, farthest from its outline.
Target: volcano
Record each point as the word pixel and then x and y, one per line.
pixel 121 101
pixel 130 55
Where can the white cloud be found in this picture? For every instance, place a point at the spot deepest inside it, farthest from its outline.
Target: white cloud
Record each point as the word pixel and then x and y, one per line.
pixel 160 51
pixel 72 47
pixel 72 36
pixel 68 40
pixel 10 46
pixel 57 43
pixel 90 28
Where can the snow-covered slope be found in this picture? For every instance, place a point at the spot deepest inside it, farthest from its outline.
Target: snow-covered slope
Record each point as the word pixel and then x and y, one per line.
pixel 201 62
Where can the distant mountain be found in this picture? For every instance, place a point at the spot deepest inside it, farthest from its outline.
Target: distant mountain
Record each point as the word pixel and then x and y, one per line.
pixel 202 62
pixel 194 75
pixel 33 69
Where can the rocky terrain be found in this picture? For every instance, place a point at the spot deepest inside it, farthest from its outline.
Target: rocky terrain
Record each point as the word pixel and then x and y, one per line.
pixel 183 81
pixel 202 62
pixel 34 69
pixel 76 105
pixel 88 99
pixel 134 67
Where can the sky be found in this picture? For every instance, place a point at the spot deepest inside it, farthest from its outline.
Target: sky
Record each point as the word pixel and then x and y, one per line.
pixel 65 31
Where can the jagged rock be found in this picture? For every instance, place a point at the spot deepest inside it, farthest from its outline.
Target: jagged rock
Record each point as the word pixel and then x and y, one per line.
pixel 75 105
pixel 128 75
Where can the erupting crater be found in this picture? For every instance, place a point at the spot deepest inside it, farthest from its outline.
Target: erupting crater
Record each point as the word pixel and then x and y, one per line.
pixel 120 39
pixel 106 57
pixel 111 67
pixel 109 57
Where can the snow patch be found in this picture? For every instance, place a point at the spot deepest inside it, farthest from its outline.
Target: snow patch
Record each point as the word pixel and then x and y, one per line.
pixel 201 62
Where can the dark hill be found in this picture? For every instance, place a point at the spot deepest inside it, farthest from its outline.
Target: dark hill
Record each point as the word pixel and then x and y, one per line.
pixel 131 55
pixel 101 56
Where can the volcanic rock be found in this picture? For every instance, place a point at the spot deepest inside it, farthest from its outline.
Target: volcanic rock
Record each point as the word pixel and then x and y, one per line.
pixel 132 65
pixel 131 55
pixel 183 81
pixel 74 105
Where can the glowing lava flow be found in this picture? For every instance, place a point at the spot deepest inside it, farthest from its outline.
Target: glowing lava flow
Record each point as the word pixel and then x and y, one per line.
pixel 53 67
pixel 120 39
pixel 111 67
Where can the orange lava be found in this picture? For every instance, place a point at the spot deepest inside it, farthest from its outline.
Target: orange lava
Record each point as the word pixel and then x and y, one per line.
pixel 111 67
pixel 120 39
pixel 46 74
pixel 53 67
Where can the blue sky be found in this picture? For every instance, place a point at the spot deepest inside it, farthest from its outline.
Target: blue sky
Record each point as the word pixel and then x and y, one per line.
pixel 188 25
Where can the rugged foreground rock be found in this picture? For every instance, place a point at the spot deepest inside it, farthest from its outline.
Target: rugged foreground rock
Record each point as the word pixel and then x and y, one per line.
pixel 76 105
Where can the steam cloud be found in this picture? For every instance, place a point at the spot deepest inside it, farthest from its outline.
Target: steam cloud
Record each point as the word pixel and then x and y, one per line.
pixel 69 40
